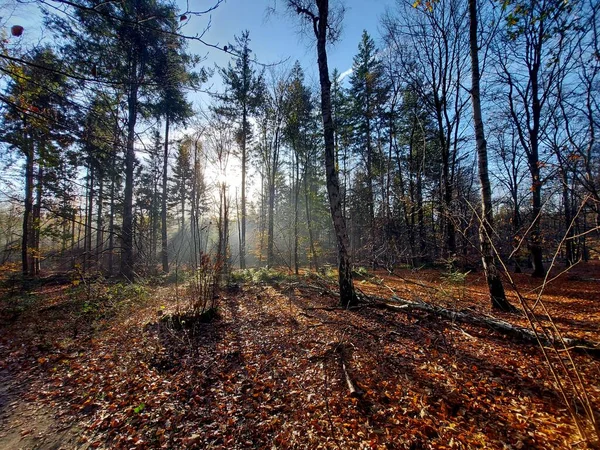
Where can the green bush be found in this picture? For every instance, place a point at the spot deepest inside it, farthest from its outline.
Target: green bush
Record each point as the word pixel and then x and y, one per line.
pixel 101 298
pixel 260 275
pixel 179 276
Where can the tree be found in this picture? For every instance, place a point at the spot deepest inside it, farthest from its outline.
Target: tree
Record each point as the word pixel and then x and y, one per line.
pixel 510 175
pixel 174 76
pixel 432 44
pixel 530 61
pixel 243 95
pixel 299 126
pixel 270 124
pixel 147 205
pixel 197 197
pixel 579 116
pixel 181 175
pixel 417 158
pixel 369 94
pixel 121 43
pixel 36 123
pixel 317 15
pixel 486 226
pixel 220 142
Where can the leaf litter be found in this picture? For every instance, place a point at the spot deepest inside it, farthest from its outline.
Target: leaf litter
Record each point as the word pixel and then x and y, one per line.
pixel 270 371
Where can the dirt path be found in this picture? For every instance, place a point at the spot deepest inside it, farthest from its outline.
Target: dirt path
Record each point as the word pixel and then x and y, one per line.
pixel 26 425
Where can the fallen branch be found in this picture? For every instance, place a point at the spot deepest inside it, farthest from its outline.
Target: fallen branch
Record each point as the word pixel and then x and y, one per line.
pixel 525 334
pixel 325 308
pixel 351 386
pixel 354 391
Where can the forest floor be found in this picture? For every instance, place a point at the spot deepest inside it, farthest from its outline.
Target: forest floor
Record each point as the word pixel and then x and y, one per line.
pixel 97 365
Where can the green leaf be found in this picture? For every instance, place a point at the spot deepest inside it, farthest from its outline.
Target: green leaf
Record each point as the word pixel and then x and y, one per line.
pixel 139 408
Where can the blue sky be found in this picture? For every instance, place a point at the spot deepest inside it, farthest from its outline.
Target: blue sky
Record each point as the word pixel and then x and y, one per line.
pixel 274 37
pixel 277 37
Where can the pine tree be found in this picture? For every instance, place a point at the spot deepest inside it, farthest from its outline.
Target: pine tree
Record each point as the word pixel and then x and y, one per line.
pixel 298 126
pixel 369 92
pixel 181 175
pixel 243 95
pixel 121 44
pixel 37 123
pixel 174 77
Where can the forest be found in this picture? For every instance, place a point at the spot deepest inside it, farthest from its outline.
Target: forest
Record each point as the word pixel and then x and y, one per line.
pixel 270 254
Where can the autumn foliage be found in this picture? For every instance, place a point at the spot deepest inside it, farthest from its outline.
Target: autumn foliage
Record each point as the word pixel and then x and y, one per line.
pixel 268 370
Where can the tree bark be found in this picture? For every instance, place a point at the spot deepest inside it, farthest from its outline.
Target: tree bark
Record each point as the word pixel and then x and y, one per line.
pixel 296 212
pixel 111 223
pixel 243 200
pixel 524 334
pixel 271 224
pixel 127 258
pixel 347 294
pixel 37 217
pixel 314 259
pixel 27 213
pixel 163 211
pixel 100 219
pixel 486 227
pixel 87 246
pixel 534 245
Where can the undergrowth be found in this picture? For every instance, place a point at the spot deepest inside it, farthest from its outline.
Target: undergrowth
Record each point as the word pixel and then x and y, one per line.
pixel 261 275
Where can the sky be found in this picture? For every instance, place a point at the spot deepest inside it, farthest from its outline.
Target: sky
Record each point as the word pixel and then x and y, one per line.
pixel 277 37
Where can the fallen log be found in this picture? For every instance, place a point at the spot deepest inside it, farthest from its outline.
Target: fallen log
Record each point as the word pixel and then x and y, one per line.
pixel 525 334
pixel 351 386
pixel 353 390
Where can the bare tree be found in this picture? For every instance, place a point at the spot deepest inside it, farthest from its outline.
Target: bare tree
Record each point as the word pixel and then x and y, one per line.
pixel 530 59
pixel 317 14
pixel 433 44
pixel 497 295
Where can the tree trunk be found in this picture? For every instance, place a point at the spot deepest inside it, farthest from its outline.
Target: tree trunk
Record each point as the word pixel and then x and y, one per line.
pixel 221 242
pixel 100 220
pixel 535 246
pixel 263 216
pixel 271 224
pixel 370 194
pixel 272 176
pixel 163 211
pixel 154 220
pixel 182 195
pixel 27 213
pixel 569 242
pixel 37 217
pixel 73 220
pixel 347 294
pixel 296 201
pixel 127 258
pixel 87 246
pixel 488 322
pixel 486 227
pixel 311 241
pixel 194 249
pixel 111 223
pixel 243 212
